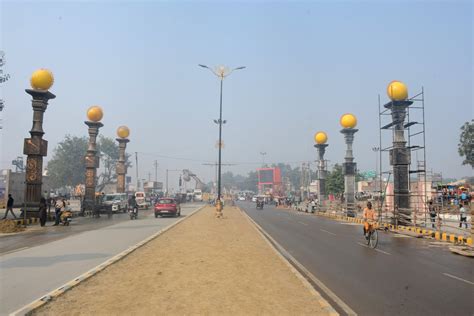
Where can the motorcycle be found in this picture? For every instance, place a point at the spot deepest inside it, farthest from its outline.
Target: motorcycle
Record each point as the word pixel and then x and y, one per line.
pixel 259 205
pixel 133 213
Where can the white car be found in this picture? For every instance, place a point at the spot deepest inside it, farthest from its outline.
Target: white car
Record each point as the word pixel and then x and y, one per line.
pixel 254 198
pixel 241 198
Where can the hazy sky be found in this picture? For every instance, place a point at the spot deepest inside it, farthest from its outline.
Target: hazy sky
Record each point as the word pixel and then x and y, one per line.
pixel 307 64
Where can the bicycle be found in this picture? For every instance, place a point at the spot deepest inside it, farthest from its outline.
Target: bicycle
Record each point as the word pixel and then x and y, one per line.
pixel 372 236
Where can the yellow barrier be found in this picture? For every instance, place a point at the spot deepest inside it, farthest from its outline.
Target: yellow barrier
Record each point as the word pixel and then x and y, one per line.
pixel 469 241
pixel 437 236
pixel 452 238
pixel 444 237
pixel 460 239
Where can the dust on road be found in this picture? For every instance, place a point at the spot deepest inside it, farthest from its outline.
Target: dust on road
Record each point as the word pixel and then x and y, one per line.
pixel 204 266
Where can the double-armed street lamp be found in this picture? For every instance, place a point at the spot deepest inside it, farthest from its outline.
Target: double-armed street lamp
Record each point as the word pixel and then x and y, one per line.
pixel 221 72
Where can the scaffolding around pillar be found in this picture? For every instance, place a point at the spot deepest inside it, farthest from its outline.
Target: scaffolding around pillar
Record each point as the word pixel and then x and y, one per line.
pixel 419 189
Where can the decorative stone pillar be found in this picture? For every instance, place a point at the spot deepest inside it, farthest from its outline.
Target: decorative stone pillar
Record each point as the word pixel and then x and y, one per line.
pixel 122 133
pixel 349 167
pixel 400 155
pixel 321 139
pixel 94 115
pixel 36 147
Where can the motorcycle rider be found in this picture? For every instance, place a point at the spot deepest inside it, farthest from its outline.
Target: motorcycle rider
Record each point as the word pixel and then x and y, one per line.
pixel 132 204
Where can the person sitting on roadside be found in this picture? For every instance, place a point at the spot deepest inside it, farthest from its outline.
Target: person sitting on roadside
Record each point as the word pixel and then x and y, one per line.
pixel 369 217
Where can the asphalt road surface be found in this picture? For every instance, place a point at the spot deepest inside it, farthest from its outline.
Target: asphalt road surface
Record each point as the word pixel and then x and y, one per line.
pixel 402 276
pixel 27 274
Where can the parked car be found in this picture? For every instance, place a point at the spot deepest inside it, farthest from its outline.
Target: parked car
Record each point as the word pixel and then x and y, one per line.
pixel 167 206
pixel 116 202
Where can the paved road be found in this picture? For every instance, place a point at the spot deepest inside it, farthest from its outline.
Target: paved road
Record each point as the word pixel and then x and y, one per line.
pixel 37 235
pixel 28 274
pixel 403 276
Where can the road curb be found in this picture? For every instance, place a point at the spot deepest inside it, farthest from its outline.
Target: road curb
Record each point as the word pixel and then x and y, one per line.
pixel 438 235
pixel 28 221
pixel 31 307
pixel 324 303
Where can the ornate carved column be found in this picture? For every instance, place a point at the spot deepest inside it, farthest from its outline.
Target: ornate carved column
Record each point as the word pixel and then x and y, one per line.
pixel 349 167
pixel 36 147
pixel 122 132
pixel 92 160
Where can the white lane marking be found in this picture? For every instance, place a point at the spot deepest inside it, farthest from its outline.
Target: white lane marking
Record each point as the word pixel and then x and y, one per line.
pixel 289 257
pixel 350 224
pixel 327 232
pixel 376 249
pixel 14 250
pixel 458 278
pixel 303 223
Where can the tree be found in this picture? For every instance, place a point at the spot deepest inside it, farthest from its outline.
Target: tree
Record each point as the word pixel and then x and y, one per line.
pixel 466 143
pixel 67 167
pixel 335 180
pixel 109 155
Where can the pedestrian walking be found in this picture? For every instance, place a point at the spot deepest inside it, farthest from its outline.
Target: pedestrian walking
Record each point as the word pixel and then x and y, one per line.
pixel 42 211
pixel 462 215
pixel 50 203
pixel 57 211
pixel 432 211
pixel 9 206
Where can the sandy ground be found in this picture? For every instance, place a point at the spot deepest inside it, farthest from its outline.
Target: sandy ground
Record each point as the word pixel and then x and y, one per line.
pixel 203 266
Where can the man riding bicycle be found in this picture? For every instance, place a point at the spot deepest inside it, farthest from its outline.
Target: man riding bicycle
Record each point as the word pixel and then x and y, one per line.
pixel 369 218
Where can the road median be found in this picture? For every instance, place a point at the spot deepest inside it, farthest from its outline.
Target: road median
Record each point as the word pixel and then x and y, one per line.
pixel 202 266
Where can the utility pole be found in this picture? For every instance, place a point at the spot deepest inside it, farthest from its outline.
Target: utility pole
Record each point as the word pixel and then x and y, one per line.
pixel 156 170
pixel 136 163
pixel 149 176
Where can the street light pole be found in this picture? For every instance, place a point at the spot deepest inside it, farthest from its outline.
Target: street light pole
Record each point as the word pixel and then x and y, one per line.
pixel 221 72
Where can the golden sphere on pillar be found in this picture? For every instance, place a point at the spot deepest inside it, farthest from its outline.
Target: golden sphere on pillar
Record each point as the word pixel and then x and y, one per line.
pixel 397 91
pixel 42 79
pixel 123 132
pixel 348 120
pixel 95 113
pixel 320 138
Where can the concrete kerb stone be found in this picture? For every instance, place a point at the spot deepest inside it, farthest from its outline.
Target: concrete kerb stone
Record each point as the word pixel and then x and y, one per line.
pixel 31 307
pixel 324 303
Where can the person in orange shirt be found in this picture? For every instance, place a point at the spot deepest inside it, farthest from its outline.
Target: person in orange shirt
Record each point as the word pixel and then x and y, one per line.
pixel 369 217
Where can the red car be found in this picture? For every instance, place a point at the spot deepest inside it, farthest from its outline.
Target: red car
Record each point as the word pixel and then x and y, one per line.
pixel 167 206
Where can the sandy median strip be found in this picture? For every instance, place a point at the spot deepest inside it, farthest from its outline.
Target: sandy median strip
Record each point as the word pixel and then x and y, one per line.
pixel 202 266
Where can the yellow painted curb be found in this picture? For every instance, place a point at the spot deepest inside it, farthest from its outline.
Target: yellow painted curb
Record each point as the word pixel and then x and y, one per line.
pixel 437 236
pixel 452 238
pixel 444 237
pixel 469 241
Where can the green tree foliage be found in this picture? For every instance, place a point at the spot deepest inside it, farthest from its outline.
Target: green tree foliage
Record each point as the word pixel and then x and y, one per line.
pixel 335 180
pixel 466 143
pixel 67 167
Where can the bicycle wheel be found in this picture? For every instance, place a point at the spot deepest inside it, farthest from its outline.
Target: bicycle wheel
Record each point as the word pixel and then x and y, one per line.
pixel 373 239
